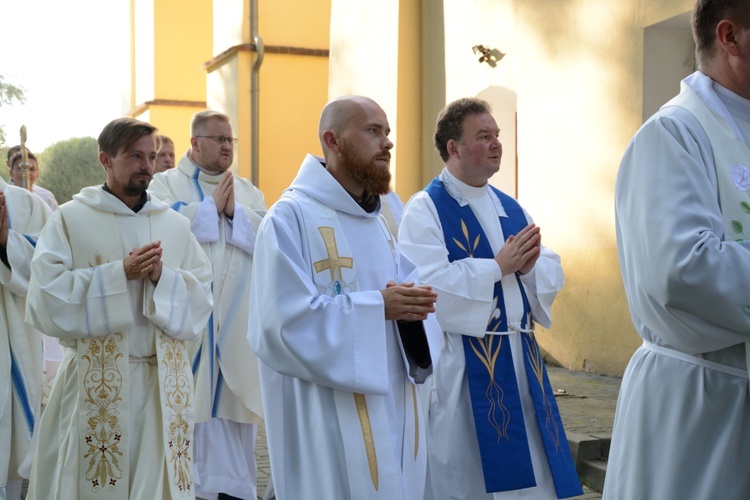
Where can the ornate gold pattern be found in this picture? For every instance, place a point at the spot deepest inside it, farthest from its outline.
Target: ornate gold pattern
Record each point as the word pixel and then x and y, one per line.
pixel 333 263
pixel 416 420
pixel 102 385
pixel 177 393
pixel 468 248
pixel 537 363
pixel 364 421
pixel 98 261
pixel 487 349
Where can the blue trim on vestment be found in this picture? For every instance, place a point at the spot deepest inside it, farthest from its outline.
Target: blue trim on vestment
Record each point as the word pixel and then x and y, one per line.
pixel 22 393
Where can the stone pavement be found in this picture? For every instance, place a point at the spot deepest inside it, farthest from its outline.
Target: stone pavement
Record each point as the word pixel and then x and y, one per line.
pixel 587 405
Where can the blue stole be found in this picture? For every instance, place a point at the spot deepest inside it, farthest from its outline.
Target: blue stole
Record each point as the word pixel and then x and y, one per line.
pixel 495 398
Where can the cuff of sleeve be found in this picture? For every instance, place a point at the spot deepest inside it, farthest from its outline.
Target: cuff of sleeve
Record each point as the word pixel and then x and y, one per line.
pixel 205 224
pixel 240 231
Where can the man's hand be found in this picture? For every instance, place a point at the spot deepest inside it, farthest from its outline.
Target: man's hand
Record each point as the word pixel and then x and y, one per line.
pixel 4 226
pixel 144 261
pixel 223 195
pixel 520 252
pixel 408 302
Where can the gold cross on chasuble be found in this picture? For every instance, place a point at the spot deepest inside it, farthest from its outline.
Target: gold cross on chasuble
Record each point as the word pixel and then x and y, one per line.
pixel 333 263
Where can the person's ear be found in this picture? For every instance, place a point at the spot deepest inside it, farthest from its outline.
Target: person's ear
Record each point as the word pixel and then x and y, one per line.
pixel 105 159
pixel 727 32
pixel 452 147
pixel 330 140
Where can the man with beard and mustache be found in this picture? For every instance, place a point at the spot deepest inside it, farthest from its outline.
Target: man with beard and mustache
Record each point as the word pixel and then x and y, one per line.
pixel 342 329
pixel 120 279
pixel 494 428
pixel 225 211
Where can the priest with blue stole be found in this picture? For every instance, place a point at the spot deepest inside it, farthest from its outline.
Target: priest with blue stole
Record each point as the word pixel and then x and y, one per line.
pixel 493 427
pixel 343 332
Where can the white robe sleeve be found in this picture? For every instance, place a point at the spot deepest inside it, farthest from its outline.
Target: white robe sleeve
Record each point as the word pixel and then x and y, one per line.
pixel 542 284
pixel 240 231
pixel 339 342
pixel 99 294
pixel 205 222
pixel 685 282
pixel 27 217
pixel 19 251
pixel 466 287
pixel 181 302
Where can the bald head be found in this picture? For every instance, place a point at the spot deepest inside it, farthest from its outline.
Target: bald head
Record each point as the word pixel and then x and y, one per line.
pixel 353 133
pixel 337 114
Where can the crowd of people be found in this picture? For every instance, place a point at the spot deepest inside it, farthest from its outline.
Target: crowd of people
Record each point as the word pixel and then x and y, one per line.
pixel 390 350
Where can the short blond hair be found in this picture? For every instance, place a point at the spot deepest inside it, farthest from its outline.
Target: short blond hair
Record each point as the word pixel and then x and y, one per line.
pixel 201 118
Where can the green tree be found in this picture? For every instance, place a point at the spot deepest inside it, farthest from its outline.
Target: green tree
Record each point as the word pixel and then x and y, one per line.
pixel 8 94
pixel 68 166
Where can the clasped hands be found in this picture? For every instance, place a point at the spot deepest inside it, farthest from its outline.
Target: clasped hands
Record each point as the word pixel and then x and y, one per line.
pixel 144 261
pixel 521 251
pixel 406 302
pixel 223 195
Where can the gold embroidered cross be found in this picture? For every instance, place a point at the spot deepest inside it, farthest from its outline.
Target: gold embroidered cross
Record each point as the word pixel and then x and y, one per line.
pixel 334 263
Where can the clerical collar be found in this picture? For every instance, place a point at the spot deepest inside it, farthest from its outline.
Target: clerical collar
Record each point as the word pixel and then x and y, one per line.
pixel 369 202
pixel 138 206
pixel 212 173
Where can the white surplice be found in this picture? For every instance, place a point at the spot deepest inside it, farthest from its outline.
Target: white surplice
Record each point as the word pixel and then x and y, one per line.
pixel 465 302
pixel 139 399
pixel 20 345
pixel 227 379
pixel 681 425
pixel 343 418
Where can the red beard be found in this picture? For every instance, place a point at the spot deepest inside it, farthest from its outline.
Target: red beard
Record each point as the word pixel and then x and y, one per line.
pixel 375 179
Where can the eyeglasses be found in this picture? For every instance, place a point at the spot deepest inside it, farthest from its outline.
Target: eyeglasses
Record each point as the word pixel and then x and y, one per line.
pixel 220 139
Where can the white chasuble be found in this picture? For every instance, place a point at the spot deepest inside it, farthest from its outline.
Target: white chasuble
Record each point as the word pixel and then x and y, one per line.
pixel 342 417
pixel 103 374
pixel 731 157
pixel 126 386
pixel 372 470
pixel 20 344
pixel 681 211
pixel 225 368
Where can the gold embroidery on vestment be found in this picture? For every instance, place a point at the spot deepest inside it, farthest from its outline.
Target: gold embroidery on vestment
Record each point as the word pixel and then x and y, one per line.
pixel 537 364
pixel 102 385
pixel 364 421
pixel 487 349
pixel 177 392
pixel 333 263
pixel 416 421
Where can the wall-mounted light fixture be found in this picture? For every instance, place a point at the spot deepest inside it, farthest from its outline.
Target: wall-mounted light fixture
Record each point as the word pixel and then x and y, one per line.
pixel 490 56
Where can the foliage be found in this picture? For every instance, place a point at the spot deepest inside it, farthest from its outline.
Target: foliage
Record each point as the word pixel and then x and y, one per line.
pixel 4 173
pixel 70 165
pixel 8 94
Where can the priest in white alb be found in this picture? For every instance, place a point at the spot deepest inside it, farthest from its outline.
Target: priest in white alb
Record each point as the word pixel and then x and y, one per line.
pixel 494 428
pixel 342 330
pixel 225 211
pixel 119 278
pixel 682 423
pixel 22 217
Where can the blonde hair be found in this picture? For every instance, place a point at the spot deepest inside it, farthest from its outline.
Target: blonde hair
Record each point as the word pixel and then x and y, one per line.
pixel 201 118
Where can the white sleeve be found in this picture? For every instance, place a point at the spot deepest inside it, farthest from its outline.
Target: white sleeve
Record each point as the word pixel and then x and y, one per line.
pixel 465 287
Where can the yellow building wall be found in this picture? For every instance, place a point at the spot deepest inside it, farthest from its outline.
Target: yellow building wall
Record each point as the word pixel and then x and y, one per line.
pixel 169 45
pixel 577 69
pixel 292 88
pixel 407 179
